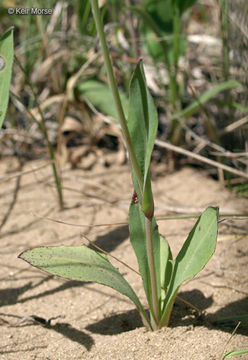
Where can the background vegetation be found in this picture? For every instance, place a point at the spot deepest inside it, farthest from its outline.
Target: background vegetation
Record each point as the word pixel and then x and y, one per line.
pixel 195 70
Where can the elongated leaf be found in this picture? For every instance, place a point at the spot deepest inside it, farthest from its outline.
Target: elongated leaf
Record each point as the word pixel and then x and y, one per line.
pixel 234 353
pixel 84 18
pixel 205 97
pixel 195 253
pixel 142 124
pixel 142 119
pixel 83 264
pixel 149 23
pixel 101 97
pixel 6 61
pixel 165 268
pixel 138 241
pixel 198 248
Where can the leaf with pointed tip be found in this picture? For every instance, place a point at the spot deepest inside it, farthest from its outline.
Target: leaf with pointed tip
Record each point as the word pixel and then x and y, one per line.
pixel 165 268
pixel 195 253
pixel 142 125
pixel 83 264
pixel 6 61
pixel 205 97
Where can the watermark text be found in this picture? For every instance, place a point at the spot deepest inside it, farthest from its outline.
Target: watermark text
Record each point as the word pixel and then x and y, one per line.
pixel 30 11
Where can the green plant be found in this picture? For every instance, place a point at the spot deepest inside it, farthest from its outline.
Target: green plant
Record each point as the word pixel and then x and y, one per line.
pixel 235 353
pixel 161 274
pixel 6 61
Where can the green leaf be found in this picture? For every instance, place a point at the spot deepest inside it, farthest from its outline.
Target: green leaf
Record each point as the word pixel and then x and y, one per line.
pixel 205 97
pixel 165 268
pixel 240 107
pixel 183 5
pixel 163 10
pixel 198 248
pixel 195 253
pixel 151 25
pixel 138 240
pixel 234 353
pixel 6 62
pixel 83 264
pixel 100 95
pixel 84 19
pixel 142 125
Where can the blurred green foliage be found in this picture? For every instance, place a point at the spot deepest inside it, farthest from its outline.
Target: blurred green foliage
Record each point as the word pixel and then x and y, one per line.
pixel 52 49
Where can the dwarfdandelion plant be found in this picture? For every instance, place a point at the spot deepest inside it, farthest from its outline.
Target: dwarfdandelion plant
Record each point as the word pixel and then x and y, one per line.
pixel 161 274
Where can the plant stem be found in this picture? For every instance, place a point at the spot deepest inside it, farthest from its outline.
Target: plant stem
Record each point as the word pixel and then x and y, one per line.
pixel 132 30
pixel 151 265
pixel 224 9
pixel 224 13
pixel 176 53
pixel 133 159
pixel 115 92
pixel 42 127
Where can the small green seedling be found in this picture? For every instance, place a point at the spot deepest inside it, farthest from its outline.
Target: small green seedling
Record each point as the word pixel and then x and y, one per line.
pixel 6 61
pixel 161 274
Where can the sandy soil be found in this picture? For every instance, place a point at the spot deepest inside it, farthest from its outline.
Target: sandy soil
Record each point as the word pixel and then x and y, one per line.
pixel 96 322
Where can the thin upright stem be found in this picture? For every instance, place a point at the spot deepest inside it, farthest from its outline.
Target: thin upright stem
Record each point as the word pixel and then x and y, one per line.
pixel 224 9
pixel 176 54
pixel 115 92
pixel 133 159
pixel 151 265
pixel 132 30
pixel 42 127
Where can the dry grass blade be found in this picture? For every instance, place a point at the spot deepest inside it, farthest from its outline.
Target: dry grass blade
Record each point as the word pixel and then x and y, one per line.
pixel 201 158
pixel 108 254
pixel 159 218
pixel 69 96
pixel 81 225
pixel 235 125
pixel 230 338
pixel 20 173
pixel 56 99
